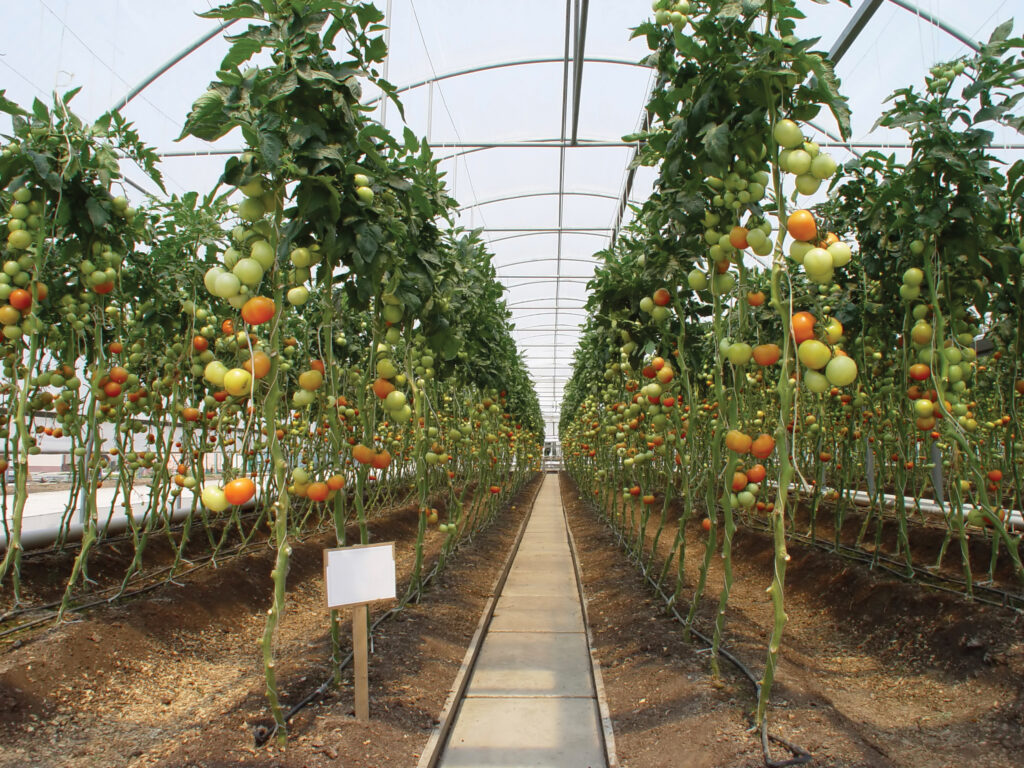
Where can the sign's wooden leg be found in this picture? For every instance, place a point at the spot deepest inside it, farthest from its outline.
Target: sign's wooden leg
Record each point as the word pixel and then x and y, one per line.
pixel 359 651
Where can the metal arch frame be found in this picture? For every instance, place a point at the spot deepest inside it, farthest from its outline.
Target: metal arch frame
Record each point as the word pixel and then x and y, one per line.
pixel 538 261
pixel 525 195
pixel 503 65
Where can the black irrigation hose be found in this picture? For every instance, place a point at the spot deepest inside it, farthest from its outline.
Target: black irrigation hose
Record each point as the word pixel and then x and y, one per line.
pixel 898 568
pixel 132 593
pixel 262 733
pixel 800 755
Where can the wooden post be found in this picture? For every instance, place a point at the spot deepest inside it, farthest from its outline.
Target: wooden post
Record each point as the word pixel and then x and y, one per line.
pixel 359 652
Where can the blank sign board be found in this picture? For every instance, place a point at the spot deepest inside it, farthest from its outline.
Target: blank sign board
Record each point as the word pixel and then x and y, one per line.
pixel 359 574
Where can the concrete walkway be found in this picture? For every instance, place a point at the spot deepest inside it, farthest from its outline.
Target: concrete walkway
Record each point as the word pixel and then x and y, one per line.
pixel 531 699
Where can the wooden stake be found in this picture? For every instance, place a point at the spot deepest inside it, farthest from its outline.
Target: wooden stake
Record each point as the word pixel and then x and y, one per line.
pixel 359 651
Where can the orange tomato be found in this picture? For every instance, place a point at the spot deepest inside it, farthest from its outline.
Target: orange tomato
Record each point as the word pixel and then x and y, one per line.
pixel 239 491
pixel 803 326
pixel 762 447
pixel 737 442
pixel 258 310
pixel 801 226
pixel 382 388
pixel 318 491
pixel 738 238
pixel 20 299
pixel 755 298
pixel 767 354
pixel 258 365
pixel 756 473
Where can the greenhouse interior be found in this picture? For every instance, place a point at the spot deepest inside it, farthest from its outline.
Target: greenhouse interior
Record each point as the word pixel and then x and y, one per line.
pixel 586 384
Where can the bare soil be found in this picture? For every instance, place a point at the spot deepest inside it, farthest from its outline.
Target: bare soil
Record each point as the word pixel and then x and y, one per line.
pixel 874 671
pixel 174 678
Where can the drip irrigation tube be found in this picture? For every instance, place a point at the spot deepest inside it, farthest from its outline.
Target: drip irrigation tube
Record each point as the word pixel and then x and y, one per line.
pixel 263 733
pixel 800 755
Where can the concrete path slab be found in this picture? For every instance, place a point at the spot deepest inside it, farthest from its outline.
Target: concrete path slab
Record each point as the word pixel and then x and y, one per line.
pixel 531 700
pixel 533 664
pixel 526 733
pixel 535 613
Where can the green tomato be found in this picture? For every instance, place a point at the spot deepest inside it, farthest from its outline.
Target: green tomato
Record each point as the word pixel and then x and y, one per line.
pixel 841 371
pixel 788 134
pixel 814 354
pixel 298 296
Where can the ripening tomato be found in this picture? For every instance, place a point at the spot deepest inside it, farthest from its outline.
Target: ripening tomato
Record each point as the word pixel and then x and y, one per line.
pixel 20 299
pixel 381 460
pixel 737 442
pixel 767 354
pixel 258 365
pixel 801 226
pixel 762 447
pixel 803 326
pixel 258 310
pixel 318 491
pixel 920 372
pixel 115 347
pixel 756 473
pixel 739 481
pixel 336 482
pixel 239 491
pixel 755 298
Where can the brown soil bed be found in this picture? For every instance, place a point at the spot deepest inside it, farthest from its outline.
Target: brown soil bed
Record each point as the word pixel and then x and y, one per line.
pixel 175 678
pixel 873 671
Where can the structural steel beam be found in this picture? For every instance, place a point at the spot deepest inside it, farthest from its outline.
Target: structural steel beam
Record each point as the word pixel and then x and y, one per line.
pixel 855 26
pixel 582 9
pixel 937 21
pixel 152 77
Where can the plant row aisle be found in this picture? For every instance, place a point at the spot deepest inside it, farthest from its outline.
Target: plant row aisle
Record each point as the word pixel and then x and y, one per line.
pixel 846 374
pixel 323 348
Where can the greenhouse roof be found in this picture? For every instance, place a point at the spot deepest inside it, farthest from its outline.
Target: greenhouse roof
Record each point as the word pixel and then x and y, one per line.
pixel 526 102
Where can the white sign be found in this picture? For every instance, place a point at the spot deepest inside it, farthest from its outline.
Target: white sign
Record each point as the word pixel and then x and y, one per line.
pixel 359 574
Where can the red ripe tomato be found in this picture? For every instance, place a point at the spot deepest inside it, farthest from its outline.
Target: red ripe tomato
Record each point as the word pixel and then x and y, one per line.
pixel 103 288
pixel 200 343
pixel 227 327
pixel 112 389
pixel 706 524
pixel 318 365
pixel 920 371
pixel 995 475
pixel 115 348
pixel 739 481
pixel 258 310
pixel 495 489
pixel 239 491
pixel 118 374
pixel 20 299
pixel 661 297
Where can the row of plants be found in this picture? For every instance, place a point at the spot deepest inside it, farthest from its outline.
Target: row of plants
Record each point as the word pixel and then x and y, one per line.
pixel 304 345
pixel 751 359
